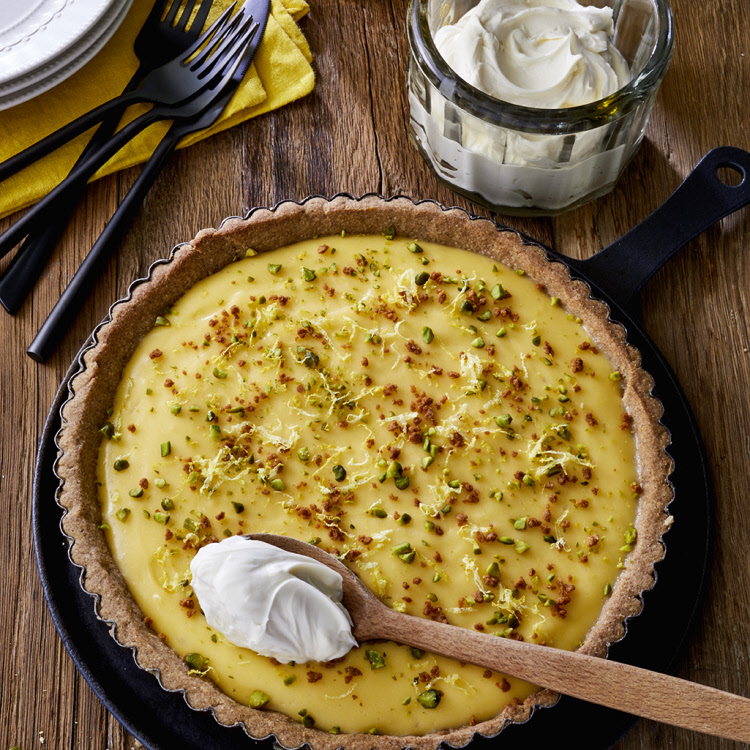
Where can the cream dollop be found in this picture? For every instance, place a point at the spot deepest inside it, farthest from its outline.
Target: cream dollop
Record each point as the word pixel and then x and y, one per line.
pixel 274 602
pixel 536 53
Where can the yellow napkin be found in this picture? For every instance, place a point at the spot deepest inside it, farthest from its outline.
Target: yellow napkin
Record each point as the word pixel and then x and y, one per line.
pixel 281 72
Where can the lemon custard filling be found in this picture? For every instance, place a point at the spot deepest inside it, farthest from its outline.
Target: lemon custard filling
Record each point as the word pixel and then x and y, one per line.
pixel 427 415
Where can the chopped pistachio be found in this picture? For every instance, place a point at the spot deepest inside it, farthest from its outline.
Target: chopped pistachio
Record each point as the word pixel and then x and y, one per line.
pixel 430 698
pixel 277 484
pixel 308 274
pixel 408 557
pixel 258 699
pixel 394 470
pixel 414 248
pixel 339 473
pixel 274 268
pixel 497 291
pixel 197 662
pixel 121 464
pixel 427 335
pixel 421 278
pixel 123 513
pixel 137 492
pixel 402 482
pixel 166 448
pixel 309 358
pixel 376 659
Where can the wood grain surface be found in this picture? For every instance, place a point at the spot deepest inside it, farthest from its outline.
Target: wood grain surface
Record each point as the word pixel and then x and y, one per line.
pixel 350 135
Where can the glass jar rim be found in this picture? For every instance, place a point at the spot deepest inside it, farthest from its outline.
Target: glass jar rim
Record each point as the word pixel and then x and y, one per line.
pixel 557 121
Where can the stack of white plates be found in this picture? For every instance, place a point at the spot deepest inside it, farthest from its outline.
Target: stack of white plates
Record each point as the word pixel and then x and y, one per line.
pixel 42 42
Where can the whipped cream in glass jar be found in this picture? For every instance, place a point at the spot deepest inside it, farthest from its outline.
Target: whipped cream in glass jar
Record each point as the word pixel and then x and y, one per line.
pixel 533 107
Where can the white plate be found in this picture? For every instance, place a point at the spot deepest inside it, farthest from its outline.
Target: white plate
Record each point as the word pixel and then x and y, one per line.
pixel 35 32
pixel 43 78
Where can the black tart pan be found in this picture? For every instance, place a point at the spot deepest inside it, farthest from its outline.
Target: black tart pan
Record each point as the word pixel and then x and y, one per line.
pixel 162 720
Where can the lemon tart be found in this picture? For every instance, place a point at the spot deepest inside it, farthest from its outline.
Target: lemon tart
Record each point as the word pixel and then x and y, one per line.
pixel 422 395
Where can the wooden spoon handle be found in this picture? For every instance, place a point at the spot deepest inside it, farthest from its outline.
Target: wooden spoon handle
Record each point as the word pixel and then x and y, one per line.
pixel 651 695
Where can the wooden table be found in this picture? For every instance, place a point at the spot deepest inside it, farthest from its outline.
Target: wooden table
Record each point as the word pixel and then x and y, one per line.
pixel 350 135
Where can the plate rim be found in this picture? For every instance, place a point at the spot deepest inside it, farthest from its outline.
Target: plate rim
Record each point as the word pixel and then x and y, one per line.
pixel 52 37
pixel 72 60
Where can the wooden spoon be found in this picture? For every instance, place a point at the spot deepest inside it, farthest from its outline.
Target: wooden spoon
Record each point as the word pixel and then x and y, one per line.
pixel 631 689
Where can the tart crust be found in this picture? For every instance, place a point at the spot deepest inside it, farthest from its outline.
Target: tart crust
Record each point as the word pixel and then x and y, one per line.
pixel 92 390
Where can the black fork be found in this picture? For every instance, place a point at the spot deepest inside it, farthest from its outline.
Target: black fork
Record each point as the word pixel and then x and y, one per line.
pixel 214 65
pixel 158 41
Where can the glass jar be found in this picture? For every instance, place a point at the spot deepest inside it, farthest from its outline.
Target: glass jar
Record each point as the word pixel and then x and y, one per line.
pixel 523 160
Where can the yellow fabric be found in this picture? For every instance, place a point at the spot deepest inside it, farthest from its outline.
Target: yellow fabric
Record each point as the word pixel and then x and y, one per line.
pixel 281 72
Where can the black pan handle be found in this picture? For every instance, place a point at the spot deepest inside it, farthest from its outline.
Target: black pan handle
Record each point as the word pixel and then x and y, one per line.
pixel 621 269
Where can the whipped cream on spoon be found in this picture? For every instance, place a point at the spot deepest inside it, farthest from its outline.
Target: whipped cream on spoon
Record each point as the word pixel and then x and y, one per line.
pixel 273 601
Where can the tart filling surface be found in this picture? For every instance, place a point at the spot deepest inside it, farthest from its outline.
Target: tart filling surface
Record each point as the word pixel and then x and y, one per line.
pixel 435 419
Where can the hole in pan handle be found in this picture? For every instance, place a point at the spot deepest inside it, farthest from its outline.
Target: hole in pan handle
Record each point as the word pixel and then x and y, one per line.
pixel 718 186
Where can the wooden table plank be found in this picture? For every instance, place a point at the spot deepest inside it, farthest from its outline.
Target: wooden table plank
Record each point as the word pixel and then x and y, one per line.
pixel 349 135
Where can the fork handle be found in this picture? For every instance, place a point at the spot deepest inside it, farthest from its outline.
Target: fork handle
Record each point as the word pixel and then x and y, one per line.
pixel 78 177
pixel 66 133
pixel 53 329
pixel 22 273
